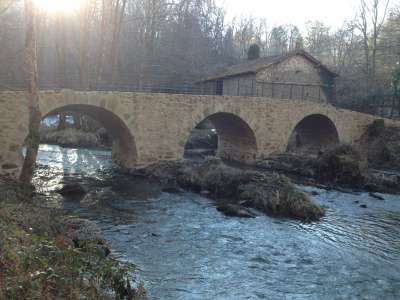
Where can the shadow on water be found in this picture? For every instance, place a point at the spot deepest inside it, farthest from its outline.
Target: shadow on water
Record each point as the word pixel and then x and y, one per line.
pixel 185 249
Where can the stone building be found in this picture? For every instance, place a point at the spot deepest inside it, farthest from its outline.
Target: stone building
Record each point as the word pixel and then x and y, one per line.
pixel 296 75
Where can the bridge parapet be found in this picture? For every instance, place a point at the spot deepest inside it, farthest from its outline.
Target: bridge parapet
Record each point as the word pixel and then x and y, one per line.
pixel 150 127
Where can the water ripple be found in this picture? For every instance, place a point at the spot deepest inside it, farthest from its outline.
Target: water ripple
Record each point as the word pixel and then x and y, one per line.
pixel 185 249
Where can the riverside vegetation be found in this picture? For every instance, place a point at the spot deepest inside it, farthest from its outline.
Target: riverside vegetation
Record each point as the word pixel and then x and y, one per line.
pixel 47 255
pixel 71 137
pixel 372 165
pixel 234 189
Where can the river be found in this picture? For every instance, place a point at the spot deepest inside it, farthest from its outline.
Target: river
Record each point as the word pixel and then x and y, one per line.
pixel 185 249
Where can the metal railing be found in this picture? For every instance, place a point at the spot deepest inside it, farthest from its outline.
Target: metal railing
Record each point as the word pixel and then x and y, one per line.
pixel 272 89
pixel 384 105
pixel 253 88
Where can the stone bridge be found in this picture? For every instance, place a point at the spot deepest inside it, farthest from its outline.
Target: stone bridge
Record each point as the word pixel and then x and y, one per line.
pixel 147 127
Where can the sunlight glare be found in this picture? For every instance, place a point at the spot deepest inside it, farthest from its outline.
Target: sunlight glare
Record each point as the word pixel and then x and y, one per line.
pixel 59 6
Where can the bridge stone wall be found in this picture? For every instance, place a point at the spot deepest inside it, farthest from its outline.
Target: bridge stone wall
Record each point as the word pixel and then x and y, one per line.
pixel 154 127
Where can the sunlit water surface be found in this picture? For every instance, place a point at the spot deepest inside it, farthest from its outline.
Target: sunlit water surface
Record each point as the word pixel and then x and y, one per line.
pixel 185 249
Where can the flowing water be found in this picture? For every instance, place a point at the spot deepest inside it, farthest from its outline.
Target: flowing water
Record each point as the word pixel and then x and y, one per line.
pixel 185 249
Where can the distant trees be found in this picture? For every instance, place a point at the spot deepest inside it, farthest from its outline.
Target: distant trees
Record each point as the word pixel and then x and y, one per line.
pixel 318 39
pixel 396 88
pixel 278 43
pixel 169 44
pixel 370 21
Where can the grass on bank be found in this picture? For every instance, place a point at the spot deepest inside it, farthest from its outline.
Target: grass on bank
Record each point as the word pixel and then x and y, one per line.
pixel 38 262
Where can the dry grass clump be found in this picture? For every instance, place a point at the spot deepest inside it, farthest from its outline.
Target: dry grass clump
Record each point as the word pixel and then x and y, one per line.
pixel 382 145
pixel 270 193
pixel 342 165
pixel 211 175
pixel 276 195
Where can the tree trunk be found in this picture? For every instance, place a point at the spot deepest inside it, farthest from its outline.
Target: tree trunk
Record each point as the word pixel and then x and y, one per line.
pixel 33 139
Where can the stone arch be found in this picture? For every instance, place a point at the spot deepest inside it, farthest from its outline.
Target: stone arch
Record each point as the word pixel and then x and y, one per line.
pixel 236 139
pixel 313 133
pixel 124 147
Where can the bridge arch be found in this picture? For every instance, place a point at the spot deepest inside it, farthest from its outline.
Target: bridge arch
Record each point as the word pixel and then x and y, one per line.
pixel 124 147
pixel 236 139
pixel 313 133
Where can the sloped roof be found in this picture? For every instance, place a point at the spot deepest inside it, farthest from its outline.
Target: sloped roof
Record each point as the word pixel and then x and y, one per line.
pixel 254 66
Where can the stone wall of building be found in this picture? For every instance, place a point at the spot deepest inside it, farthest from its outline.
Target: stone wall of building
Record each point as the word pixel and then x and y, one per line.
pixel 154 127
pixel 243 85
pixel 295 70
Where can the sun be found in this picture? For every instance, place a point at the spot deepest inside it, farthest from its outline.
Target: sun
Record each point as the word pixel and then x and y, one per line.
pixel 59 6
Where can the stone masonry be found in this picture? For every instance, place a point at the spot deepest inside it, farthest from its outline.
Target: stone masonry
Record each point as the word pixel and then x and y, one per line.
pixel 149 127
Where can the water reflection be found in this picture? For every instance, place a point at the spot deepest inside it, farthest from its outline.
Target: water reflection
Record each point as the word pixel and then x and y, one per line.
pixel 57 165
pixel 185 249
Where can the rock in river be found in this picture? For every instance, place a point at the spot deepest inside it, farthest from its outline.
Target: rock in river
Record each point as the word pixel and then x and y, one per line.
pixel 72 189
pixel 99 198
pixel 233 210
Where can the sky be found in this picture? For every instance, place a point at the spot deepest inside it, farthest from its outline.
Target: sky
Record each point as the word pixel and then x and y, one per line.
pixel 297 12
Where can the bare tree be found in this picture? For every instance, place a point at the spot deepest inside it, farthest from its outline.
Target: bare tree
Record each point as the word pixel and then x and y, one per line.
pixel 318 39
pixel 372 14
pixel 33 139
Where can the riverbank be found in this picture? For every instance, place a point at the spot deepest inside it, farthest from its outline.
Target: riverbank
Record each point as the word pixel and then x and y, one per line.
pixel 372 165
pixel 45 254
pixel 269 185
pixel 336 170
pixel 73 138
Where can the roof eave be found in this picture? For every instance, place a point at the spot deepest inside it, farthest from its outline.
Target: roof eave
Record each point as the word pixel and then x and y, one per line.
pixel 226 77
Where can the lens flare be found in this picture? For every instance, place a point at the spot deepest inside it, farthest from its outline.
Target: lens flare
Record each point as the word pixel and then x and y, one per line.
pixel 59 6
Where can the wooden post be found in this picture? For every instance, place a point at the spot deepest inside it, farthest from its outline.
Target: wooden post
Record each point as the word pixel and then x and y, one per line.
pixel 262 89
pixel 302 92
pixel 252 88
pixel 238 87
